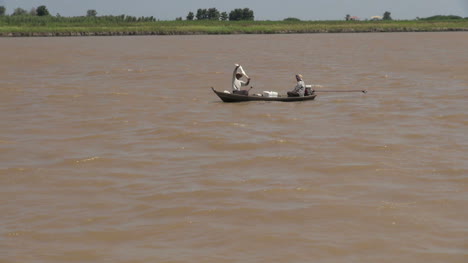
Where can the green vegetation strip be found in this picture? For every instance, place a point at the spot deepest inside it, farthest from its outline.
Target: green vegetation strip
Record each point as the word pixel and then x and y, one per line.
pixel 55 26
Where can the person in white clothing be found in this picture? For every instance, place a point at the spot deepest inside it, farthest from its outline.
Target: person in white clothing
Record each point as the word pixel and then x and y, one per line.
pixel 299 90
pixel 237 83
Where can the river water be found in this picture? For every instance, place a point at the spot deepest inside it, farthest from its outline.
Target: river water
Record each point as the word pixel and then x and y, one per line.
pixel 115 149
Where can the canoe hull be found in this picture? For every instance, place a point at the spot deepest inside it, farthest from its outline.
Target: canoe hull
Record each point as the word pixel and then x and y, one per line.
pixel 228 97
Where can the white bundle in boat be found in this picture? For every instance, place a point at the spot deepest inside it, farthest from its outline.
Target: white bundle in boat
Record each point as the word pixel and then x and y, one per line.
pixel 270 94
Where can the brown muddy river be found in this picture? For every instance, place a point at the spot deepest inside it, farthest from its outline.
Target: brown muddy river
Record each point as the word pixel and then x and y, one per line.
pixel 115 149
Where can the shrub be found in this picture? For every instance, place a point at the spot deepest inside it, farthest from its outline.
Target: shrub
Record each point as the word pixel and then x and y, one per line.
pixel 441 17
pixel 42 11
pixel 291 19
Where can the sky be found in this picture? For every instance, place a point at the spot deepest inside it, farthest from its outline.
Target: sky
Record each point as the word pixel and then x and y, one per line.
pixel 263 9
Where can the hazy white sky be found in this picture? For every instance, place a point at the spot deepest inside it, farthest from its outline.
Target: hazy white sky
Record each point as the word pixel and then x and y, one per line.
pixel 263 9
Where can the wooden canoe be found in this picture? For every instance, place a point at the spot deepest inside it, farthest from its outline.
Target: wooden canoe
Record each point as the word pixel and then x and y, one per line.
pixel 229 97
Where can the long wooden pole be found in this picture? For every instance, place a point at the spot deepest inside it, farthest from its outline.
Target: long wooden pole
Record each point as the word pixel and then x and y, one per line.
pixel 363 91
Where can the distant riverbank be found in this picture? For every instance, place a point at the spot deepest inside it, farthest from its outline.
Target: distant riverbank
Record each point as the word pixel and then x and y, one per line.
pixel 47 27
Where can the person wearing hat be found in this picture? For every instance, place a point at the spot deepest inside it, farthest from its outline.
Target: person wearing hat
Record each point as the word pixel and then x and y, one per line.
pixel 237 83
pixel 299 90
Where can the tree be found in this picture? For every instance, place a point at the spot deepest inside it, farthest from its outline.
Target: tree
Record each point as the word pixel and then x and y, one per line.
pixel 224 16
pixel 207 14
pixel 241 14
pixel 42 11
pixel 201 14
pixel 236 15
pixel 91 13
pixel 248 14
pixel 348 17
pixel 19 12
pixel 213 14
pixel 178 18
pixel 386 16
pixel 190 16
pixel 2 10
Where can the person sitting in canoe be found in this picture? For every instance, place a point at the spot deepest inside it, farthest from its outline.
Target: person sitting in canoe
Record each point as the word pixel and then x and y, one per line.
pixel 237 84
pixel 299 90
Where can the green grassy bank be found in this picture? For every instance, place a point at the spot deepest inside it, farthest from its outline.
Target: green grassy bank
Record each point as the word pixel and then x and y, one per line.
pixel 83 26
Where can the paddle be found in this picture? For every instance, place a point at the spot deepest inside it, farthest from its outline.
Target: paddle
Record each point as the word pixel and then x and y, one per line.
pixel 320 86
pixel 363 91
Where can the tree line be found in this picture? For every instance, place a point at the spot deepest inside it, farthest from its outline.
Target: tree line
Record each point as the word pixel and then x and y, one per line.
pixel 202 14
pixel 91 14
pixel 214 14
pixel 386 16
pixel 39 11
